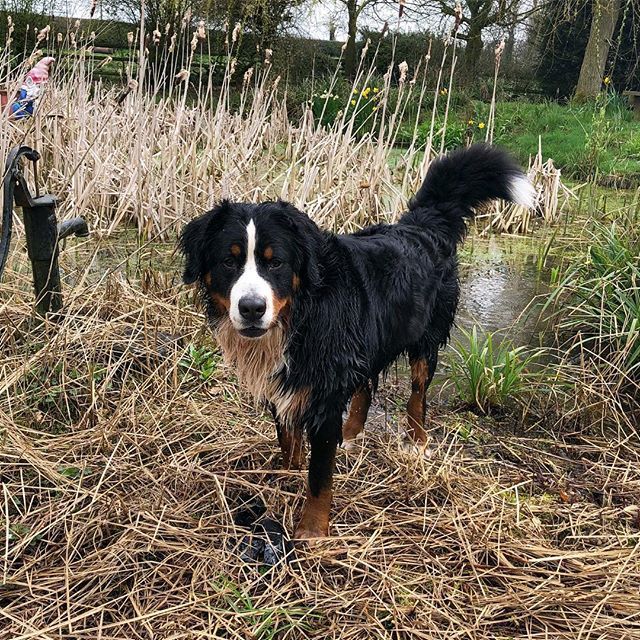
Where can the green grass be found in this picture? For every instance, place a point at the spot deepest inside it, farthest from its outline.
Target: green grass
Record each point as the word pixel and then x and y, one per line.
pixel 489 373
pixel 587 141
pixel 598 298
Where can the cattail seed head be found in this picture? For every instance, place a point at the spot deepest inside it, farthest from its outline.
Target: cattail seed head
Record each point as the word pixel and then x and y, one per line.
pixel 236 32
pixel 44 33
pixel 182 75
pixel 403 67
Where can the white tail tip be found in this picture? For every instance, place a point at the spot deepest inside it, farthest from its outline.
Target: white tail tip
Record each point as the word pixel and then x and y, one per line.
pixel 522 191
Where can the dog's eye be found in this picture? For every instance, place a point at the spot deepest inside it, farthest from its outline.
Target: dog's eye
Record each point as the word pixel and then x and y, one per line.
pixel 230 263
pixel 275 264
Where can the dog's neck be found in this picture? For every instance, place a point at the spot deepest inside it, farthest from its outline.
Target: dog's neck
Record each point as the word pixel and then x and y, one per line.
pixel 257 364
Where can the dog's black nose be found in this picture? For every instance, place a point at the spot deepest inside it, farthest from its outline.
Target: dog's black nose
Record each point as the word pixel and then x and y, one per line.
pixel 251 307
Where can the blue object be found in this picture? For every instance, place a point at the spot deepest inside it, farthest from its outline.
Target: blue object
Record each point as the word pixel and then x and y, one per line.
pixel 23 106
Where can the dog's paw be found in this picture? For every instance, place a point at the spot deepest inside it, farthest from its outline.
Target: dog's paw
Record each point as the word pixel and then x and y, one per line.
pixel 309 536
pixel 353 444
pixel 416 449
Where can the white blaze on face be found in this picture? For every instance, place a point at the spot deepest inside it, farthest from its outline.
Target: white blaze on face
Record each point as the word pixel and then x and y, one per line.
pixel 251 283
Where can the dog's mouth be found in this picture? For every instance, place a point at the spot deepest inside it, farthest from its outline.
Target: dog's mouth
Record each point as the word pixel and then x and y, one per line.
pixel 252 332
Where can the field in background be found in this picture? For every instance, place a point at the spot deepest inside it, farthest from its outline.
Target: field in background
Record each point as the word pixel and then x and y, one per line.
pixel 133 466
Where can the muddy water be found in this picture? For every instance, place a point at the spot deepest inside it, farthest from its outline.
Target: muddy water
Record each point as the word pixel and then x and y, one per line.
pixel 500 284
pixel 499 276
pixel 500 280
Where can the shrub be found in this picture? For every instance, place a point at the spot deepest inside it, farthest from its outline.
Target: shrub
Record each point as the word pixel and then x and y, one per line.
pixel 489 372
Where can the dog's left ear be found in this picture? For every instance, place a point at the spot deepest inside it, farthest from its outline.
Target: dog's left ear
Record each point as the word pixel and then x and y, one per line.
pixel 310 247
pixel 194 241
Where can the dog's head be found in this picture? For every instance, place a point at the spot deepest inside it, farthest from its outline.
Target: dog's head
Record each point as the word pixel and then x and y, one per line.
pixel 251 260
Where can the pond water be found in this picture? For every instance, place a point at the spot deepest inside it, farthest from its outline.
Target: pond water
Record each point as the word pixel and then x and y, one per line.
pixel 499 276
pixel 500 280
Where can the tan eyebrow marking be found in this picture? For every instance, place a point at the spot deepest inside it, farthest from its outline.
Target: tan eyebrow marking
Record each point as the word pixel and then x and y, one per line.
pixel 268 253
pixel 235 249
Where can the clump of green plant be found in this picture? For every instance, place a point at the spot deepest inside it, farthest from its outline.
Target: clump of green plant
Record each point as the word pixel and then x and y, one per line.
pixel 200 362
pixel 359 106
pixel 489 373
pixel 326 107
pixel 600 296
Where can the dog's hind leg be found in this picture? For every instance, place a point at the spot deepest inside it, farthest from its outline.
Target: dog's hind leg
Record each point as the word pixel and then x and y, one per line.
pixel 354 424
pixel 422 370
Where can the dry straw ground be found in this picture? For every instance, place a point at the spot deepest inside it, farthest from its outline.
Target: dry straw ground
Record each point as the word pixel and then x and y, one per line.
pixel 123 474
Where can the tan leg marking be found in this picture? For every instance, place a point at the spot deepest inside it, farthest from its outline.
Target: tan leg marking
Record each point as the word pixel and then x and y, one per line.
pixel 291 445
pixel 315 516
pixel 416 406
pixel 354 424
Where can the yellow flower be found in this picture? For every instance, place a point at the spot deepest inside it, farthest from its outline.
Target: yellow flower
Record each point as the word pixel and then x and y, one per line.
pixel 353 102
pixel 607 80
pixel 375 89
pixel 374 109
pixel 471 122
pixel 481 125
pixel 443 92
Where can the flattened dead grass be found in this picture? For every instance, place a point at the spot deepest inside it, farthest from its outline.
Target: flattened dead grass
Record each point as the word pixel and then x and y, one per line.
pixel 123 475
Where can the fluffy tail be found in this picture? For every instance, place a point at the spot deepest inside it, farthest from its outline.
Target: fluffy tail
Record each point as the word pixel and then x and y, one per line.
pixel 462 180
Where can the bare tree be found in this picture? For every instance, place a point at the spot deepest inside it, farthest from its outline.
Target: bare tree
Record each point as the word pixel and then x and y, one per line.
pixel 478 16
pixel 603 23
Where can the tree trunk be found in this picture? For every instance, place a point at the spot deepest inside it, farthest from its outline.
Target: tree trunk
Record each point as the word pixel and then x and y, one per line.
pixel 472 52
pixel 603 23
pixel 350 58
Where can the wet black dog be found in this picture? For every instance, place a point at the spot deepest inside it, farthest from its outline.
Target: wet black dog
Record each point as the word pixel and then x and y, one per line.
pixel 310 319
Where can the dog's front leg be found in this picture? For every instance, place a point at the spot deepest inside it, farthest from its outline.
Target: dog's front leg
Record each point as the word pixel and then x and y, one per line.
pixel 315 515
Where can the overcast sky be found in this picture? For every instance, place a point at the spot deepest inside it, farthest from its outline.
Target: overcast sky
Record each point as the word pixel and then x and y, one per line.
pixel 312 21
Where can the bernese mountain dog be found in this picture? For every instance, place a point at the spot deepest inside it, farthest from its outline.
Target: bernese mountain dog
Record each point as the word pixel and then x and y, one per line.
pixel 310 319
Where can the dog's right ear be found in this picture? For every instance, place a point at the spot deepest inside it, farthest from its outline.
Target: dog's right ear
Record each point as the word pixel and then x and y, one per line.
pixel 194 241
